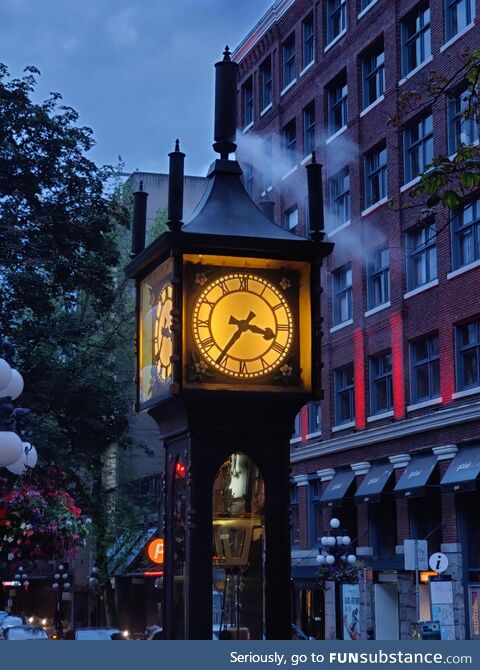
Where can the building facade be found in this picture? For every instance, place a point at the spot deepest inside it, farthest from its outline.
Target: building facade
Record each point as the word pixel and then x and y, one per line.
pixel 393 449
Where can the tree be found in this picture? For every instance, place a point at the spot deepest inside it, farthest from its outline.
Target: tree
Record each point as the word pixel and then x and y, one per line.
pixel 63 299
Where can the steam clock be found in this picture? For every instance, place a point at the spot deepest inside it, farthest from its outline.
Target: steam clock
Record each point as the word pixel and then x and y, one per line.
pixel 228 342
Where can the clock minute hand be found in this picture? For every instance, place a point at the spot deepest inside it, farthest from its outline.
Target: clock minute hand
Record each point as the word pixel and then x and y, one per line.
pixel 229 344
pixel 242 325
pixel 267 333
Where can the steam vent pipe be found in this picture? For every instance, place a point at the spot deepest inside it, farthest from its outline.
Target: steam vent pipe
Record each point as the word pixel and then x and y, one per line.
pixel 175 188
pixel 315 199
pixel 139 220
pixel 226 75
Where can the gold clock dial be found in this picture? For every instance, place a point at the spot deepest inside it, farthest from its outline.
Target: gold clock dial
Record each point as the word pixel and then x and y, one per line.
pixel 242 325
pixel 163 334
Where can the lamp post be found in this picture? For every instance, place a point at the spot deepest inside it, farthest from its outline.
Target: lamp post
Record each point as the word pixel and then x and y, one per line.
pixel 22 578
pixel 60 585
pixel 93 582
pixel 335 551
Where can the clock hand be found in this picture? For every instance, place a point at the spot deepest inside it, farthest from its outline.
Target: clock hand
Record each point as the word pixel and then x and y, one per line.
pixel 267 333
pixel 242 325
pixel 166 331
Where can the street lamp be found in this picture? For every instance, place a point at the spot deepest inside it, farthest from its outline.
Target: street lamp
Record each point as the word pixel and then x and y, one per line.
pixel 60 585
pixel 334 548
pixel 21 578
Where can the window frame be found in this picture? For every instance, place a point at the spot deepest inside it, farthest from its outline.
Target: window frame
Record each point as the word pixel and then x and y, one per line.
pixel 431 362
pixel 342 385
pixel 342 290
pixel 372 69
pixel 286 217
pixel 452 14
pixel 308 40
pixel 309 128
pixel 339 198
pixel 247 102
pixel 337 98
pixel 266 82
pixel 335 8
pixel 288 60
pixel 422 248
pixel 472 228
pixel 377 376
pixel 267 173
pixel 458 117
pixel 290 142
pixel 423 145
pixel 461 349
pixel 314 414
pixel 422 35
pixel 377 271
pixel 375 168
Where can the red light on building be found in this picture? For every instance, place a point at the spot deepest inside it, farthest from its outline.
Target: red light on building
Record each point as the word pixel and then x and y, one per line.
pixel 153 573
pixel 396 325
pixel 359 379
pixel 180 470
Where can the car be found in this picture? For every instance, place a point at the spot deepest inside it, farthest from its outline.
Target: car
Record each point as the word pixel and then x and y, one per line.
pixel 8 622
pixel 25 633
pixel 154 633
pixel 95 634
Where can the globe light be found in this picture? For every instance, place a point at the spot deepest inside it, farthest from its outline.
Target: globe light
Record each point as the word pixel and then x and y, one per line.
pixel 331 541
pixel 330 559
pixel 5 376
pixel 26 583
pixel 60 568
pixel 56 576
pixel 64 576
pixel 339 539
pixel 346 540
pixel 324 541
pixel 351 558
pixel 66 585
pixel 11 448
pixel 334 523
pixel 54 585
pixel 321 559
pixel 15 388
pixel 27 460
pixel 17 577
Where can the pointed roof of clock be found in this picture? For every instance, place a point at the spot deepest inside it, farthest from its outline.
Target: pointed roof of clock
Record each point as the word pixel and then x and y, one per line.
pixel 226 208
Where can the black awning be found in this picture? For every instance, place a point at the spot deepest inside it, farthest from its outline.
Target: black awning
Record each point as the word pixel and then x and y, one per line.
pixel 464 470
pixel 374 482
pixel 338 487
pixel 416 475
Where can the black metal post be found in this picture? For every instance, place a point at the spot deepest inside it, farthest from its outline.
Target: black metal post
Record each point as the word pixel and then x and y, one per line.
pixel 139 220
pixel 226 76
pixel 315 200
pixel 175 188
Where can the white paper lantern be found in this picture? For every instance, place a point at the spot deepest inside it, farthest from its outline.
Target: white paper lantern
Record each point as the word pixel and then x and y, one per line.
pixel 15 387
pixel 5 376
pixel 11 448
pixel 27 460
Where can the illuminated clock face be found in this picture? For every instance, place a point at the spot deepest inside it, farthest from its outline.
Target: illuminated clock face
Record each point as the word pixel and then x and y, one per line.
pixel 242 325
pixel 163 334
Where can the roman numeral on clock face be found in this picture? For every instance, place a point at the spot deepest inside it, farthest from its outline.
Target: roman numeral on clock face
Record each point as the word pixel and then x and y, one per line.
pixel 243 283
pixel 278 348
pixel 208 343
pixel 243 368
pixel 282 327
pixel 224 288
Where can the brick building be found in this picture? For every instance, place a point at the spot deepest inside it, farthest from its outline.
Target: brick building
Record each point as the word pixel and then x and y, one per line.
pixel 393 450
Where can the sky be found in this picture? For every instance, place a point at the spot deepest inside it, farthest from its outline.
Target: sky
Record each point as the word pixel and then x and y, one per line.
pixel 140 73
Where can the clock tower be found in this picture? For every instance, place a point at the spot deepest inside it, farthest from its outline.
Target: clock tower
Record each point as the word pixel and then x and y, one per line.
pixel 228 351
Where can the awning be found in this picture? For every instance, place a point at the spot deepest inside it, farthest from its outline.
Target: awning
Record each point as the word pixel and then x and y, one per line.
pixel 416 476
pixel 374 482
pixel 126 549
pixel 338 487
pixel 464 470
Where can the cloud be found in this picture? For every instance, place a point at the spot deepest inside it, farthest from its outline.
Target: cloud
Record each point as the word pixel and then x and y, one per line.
pixel 121 29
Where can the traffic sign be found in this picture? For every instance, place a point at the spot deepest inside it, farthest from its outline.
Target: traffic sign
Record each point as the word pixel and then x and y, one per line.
pixel 415 554
pixel 438 562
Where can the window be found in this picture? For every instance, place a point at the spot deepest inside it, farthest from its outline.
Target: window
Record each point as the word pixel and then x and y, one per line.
pixel 290 143
pixel 309 129
pixel 291 219
pixel 297 429
pixel 418 147
pixel 247 102
pixel 378 276
pixel 267 163
pixel 373 72
pixel 364 4
pixel 266 82
pixel 344 400
pixel 416 46
pixel 288 53
pixel 336 18
pixel 376 175
pixel 337 94
pixel 307 40
pixel 425 369
pixel 462 126
pixel 468 355
pixel 458 15
pixel 339 189
pixel 342 295
pixel 295 514
pixel 314 418
pixel 381 383
pixel 316 508
pixel 466 235
pixel 248 177
pixel 421 256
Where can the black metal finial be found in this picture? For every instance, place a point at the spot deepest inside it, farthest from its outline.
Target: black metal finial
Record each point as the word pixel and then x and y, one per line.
pixel 227 53
pixel 140 186
pixel 177 145
pixel 175 188
pixel 314 158
pixel 226 76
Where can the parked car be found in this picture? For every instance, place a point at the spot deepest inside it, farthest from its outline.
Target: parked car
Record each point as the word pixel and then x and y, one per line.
pixel 154 633
pixel 8 622
pixel 2 615
pixel 94 634
pixel 25 633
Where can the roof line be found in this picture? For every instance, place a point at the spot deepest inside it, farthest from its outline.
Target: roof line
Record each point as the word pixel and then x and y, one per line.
pixel 270 17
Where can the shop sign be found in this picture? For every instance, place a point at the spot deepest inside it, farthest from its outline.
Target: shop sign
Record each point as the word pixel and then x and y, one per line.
pixel 351 611
pixel 155 550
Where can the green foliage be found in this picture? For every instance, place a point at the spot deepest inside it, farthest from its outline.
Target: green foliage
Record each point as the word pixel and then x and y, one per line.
pixel 159 226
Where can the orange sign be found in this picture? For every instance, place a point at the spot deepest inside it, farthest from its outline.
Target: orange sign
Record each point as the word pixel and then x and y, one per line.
pixel 155 550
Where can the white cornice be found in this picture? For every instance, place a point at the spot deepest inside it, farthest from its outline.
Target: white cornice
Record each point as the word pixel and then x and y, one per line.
pixel 271 16
pixel 450 416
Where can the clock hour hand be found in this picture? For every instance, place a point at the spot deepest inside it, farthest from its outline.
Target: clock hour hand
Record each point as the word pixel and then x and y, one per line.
pixel 166 331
